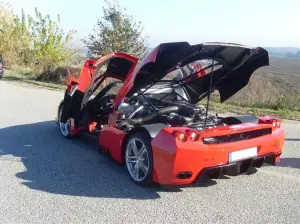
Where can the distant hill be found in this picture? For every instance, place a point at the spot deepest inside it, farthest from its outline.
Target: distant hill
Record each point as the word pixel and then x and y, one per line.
pixel 283 52
pixel 277 85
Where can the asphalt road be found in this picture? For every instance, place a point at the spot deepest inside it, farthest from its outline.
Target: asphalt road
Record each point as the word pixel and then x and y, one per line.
pixel 45 178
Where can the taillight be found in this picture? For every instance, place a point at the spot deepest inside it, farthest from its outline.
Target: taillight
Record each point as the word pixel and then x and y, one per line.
pixel 276 123
pixel 185 135
pixel 180 135
pixel 193 135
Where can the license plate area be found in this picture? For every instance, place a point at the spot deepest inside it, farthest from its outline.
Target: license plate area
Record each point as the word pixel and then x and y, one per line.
pixel 242 154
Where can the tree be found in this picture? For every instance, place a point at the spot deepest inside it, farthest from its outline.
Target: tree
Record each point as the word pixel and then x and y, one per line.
pixel 50 42
pixel 8 40
pixel 116 31
pixel 26 40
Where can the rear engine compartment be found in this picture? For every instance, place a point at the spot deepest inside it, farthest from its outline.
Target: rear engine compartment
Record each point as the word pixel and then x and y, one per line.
pixel 142 110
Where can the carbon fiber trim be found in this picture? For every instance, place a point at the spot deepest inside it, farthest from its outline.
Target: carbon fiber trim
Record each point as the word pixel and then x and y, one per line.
pixel 236 168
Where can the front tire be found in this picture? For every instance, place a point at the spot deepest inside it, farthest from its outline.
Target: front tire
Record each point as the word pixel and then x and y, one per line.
pixel 139 158
pixel 64 127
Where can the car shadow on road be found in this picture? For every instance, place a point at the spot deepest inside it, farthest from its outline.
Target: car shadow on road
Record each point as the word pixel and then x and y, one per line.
pixel 69 166
pixel 290 162
pixel 292 139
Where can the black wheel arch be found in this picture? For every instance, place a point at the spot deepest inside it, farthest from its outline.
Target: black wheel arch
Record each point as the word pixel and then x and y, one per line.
pixel 129 134
pixel 150 130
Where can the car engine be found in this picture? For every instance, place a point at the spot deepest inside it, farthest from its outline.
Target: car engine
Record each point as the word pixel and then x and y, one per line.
pixel 149 109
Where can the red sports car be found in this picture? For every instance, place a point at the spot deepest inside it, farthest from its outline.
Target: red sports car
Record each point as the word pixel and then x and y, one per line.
pixel 150 118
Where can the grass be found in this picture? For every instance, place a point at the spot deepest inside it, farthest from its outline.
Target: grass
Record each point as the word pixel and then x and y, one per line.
pixel 26 76
pixel 275 87
pixel 230 108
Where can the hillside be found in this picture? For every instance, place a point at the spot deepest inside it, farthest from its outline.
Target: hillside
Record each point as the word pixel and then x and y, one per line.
pixel 276 86
pixel 283 52
pixel 282 66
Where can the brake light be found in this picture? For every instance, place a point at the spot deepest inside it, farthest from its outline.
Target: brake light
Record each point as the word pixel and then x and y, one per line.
pixel 193 135
pixel 180 135
pixel 185 135
pixel 276 123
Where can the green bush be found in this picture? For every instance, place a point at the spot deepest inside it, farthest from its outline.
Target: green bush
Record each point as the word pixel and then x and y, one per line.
pixel 34 41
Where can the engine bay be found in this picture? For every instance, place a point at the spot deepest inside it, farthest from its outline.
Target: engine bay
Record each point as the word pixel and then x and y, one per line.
pixel 145 109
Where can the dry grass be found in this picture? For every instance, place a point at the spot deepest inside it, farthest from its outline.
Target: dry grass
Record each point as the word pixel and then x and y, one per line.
pixel 26 75
pixel 275 87
pixel 230 108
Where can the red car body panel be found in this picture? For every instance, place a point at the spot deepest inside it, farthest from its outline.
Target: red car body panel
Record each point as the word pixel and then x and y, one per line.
pixel 111 140
pixel 89 68
pixel 170 155
pixel 84 77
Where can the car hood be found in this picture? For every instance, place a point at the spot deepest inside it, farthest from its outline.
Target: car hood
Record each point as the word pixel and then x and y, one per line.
pixel 236 63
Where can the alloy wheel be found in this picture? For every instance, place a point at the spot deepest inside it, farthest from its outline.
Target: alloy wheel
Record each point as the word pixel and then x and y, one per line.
pixel 137 159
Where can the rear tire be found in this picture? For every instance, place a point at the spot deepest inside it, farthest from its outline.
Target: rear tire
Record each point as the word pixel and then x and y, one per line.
pixel 138 158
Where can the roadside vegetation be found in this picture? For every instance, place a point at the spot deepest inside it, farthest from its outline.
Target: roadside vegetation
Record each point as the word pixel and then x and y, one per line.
pixel 116 31
pixel 36 50
pixel 37 43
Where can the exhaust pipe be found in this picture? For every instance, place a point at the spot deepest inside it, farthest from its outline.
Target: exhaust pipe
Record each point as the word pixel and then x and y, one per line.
pixel 184 175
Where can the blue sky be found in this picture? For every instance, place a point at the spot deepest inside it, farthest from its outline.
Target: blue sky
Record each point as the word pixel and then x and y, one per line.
pixel 255 22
